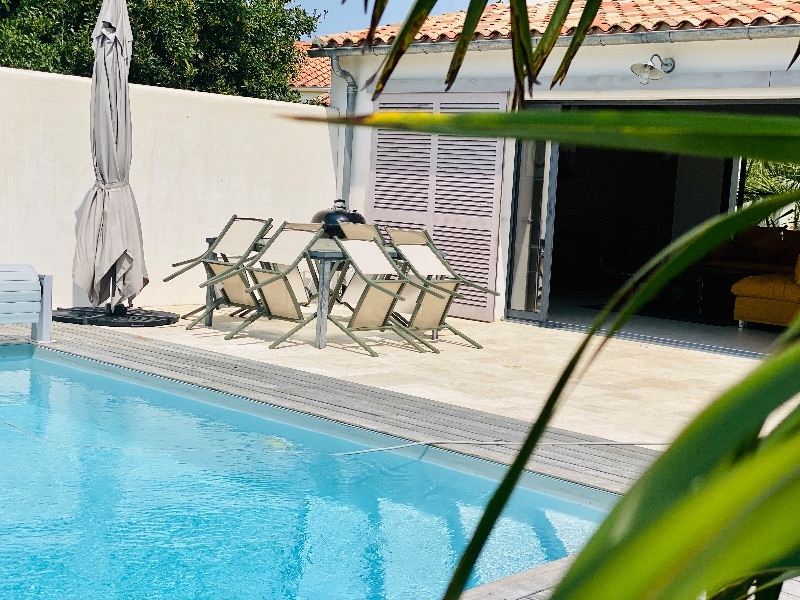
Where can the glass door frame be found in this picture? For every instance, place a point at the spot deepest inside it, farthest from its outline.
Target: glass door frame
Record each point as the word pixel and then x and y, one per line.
pixel 548 202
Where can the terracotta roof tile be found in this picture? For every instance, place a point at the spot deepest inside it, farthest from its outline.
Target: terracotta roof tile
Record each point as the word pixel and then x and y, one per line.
pixel 316 72
pixel 614 16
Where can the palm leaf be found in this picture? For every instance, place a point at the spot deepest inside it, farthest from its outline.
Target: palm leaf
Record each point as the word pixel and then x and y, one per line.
pixel 471 20
pixel 687 248
pixel 735 524
pixel 550 35
pixel 377 13
pixel 528 62
pixel 416 17
pixel 719 462
pixel 708 134
pixel 584 24
pixel 795 56
pixel 521 50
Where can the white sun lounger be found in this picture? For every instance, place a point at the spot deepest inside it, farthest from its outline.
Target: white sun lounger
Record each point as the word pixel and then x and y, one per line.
pixel 27 297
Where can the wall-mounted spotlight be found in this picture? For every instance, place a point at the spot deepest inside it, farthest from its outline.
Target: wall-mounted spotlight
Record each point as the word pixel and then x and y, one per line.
pixel 649 70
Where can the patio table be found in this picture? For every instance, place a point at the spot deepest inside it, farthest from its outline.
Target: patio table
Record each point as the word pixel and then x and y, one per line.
pixel 326 253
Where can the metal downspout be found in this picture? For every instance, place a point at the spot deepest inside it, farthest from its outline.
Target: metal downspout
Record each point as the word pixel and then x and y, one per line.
pixel 352 89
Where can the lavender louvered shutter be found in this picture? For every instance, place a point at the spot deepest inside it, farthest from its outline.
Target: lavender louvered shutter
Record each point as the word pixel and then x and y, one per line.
pixel 450 185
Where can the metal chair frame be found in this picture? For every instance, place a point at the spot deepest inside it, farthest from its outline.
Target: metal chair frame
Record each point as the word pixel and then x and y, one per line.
pixel 383 283
pixel 256 278
pixel 434 285
pixel 212 255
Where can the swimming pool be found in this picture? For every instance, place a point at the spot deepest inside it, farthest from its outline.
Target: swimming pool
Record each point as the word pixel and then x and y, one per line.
pixel 118 484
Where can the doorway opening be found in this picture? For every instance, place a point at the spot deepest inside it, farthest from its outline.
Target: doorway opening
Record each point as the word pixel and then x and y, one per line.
pixel 585 219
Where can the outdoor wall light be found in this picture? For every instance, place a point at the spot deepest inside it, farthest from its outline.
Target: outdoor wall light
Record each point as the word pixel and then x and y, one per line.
pixel 649 70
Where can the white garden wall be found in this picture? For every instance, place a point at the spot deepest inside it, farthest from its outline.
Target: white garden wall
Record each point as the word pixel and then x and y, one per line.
pixel 197 159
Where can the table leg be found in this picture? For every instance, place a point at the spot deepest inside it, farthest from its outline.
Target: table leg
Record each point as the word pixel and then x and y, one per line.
pixel 323 298
pixel 209 320
pixel 210 294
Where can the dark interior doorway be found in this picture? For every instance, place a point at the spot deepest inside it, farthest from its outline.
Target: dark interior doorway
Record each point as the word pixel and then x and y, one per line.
pixel 615 209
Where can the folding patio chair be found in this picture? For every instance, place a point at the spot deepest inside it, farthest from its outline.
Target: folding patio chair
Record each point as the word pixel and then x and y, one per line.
pixel 377 287
pixel 271 280
pixel 427 309
pixel 238 241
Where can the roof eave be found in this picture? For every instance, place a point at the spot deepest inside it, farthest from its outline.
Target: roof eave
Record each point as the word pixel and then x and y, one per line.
pixel 312 88
pixel 743 32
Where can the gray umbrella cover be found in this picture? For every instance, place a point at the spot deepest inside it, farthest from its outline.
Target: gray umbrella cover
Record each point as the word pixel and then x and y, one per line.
pixel 109 244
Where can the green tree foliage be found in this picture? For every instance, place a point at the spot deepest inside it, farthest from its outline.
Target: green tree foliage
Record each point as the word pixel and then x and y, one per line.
pixel 237 47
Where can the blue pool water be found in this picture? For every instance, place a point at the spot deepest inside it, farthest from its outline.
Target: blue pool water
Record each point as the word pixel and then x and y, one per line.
pixel 114 489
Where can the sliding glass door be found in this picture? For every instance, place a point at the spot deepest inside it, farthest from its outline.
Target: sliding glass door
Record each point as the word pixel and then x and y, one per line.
pixel 532 231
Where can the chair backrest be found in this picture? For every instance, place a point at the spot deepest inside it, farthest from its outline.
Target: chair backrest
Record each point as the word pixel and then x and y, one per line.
pixel 417 251
pixel 281 257
pixel 424 260
pixel 407 236
pixel 368 257
pixel 289 243
pixel 239 238
pixel 360 231
pixel 233 287
pixel 374 305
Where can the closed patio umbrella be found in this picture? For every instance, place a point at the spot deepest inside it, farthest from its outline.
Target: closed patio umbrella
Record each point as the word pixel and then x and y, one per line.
pixel 109 257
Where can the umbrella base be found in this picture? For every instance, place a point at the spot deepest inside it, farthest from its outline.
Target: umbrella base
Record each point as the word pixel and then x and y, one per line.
pixel 133 317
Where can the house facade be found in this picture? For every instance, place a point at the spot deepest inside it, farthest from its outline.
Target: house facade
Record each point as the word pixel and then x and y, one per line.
pixel 555 227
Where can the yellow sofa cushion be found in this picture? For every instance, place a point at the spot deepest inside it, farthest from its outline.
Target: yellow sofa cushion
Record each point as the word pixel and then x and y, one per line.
pixel 772 287
pixel 761 310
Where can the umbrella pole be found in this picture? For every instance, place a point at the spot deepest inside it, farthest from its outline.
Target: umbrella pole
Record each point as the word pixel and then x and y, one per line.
pixel 112 281
pixel 113 308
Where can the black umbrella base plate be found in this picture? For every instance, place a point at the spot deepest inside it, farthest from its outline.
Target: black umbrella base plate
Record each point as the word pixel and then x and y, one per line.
pixel 133 317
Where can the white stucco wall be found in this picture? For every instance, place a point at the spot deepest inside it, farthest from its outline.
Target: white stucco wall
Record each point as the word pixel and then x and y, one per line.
pixel 721 69
pixel 311 93
pixel 197 159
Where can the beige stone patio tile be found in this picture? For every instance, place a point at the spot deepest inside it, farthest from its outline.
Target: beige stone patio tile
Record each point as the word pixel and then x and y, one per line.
pixel 634 392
